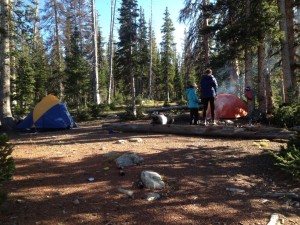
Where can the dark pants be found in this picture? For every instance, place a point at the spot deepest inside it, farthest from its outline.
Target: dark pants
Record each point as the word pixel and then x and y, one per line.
pixel 211 101
pixel 194 116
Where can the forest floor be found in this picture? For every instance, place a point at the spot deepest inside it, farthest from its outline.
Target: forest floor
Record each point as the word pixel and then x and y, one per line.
pixel 63 178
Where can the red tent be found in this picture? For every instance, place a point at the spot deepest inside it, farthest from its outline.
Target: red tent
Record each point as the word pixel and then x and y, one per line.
pixel 228 106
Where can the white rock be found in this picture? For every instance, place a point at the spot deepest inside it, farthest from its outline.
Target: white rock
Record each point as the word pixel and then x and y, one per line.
pixel 274 218
pixel 136 140
pixel 121 141
pixel 126 192
pixel 152 180
pixel 235 190
pixel 91 179
pixel 152 196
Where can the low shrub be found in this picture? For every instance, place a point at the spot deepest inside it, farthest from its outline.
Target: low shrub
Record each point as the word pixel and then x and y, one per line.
pixel 287 116
pixel 288 158
pixel 7 165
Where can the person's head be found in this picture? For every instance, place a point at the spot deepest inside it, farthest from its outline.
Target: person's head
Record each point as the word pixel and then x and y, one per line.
pixel 191 84
pixel 208 71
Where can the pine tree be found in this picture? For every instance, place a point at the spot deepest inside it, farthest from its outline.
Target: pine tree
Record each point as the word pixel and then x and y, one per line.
pixel 143 56
pixel 52 24
pixel 168 54
pixel 126 58
pixel 103 65
pixel 153 66
pixel 78 82
pixel 178 81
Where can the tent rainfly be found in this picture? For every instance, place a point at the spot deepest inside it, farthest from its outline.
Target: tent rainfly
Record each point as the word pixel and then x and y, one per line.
pixel 49 113
pixel 228 106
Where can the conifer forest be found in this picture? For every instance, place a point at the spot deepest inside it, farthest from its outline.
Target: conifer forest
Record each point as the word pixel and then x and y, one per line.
pixel 57 47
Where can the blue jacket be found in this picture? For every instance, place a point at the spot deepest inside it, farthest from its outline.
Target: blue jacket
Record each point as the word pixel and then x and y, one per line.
pixel 208 86
pixel 193 100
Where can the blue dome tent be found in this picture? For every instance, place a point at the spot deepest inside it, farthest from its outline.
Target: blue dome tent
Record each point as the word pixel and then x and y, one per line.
pixel 49 113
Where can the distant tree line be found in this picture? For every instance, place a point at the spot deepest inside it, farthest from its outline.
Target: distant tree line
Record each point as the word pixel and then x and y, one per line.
pixel 59 49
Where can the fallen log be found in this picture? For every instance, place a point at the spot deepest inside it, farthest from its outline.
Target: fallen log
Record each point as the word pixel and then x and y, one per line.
pixel 292 195
pixel 169 108
pixel 215 131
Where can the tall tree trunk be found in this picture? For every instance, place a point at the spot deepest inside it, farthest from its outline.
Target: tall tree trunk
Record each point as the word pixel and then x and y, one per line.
pixel 133 92
pixel 269 93
pixel 261 79
pixel 5 109
pixel 96 94
pixel 187 59
pixel 150 94
pixel 36 25
pixel 111 38
pixel 285 53
pixel 249 80
pixel 58 48
pixel 235 77
pixel 205 36
pixel 289 9
pixel 168 80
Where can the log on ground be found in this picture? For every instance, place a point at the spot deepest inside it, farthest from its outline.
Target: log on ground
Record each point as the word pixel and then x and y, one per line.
pixel 214 131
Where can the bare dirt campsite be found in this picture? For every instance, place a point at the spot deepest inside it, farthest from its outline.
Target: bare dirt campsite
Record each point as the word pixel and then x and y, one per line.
pixel 64 178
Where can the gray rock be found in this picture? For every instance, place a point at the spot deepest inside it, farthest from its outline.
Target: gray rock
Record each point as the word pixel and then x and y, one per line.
pixel 121 141
pixel 136 140
pixel 235 190
pixel 152 196
pixel 112 116
pixel 152 180
pixel 76 202
pixel 126 192
pixel 128 159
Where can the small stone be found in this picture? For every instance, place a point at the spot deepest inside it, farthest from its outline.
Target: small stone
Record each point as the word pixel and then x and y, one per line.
pixel 136 140
pixel 265 201
pixel 20 201
pixel 126 192
pixel 152 196
pixel 235 190
pixel 76 202
pixel 121 142
pixel 189 156
pixel 140 185
pixel 91 179
pixel 297 204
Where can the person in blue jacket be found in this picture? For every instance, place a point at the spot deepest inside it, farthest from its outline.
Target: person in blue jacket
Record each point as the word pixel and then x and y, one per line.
pixel 193 102
pixel 209 86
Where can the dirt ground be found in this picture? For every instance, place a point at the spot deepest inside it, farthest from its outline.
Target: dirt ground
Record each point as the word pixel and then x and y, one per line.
pixel 63 178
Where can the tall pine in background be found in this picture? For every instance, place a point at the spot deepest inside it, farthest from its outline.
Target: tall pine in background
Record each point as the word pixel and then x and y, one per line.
pixel 167 56
pixel 126 53
pixel 78 81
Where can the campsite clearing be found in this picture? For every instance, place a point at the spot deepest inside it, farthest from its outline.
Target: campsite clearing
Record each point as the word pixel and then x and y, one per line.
pixel 62 177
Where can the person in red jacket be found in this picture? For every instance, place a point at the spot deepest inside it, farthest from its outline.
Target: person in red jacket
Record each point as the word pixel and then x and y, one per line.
pixel 209 86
